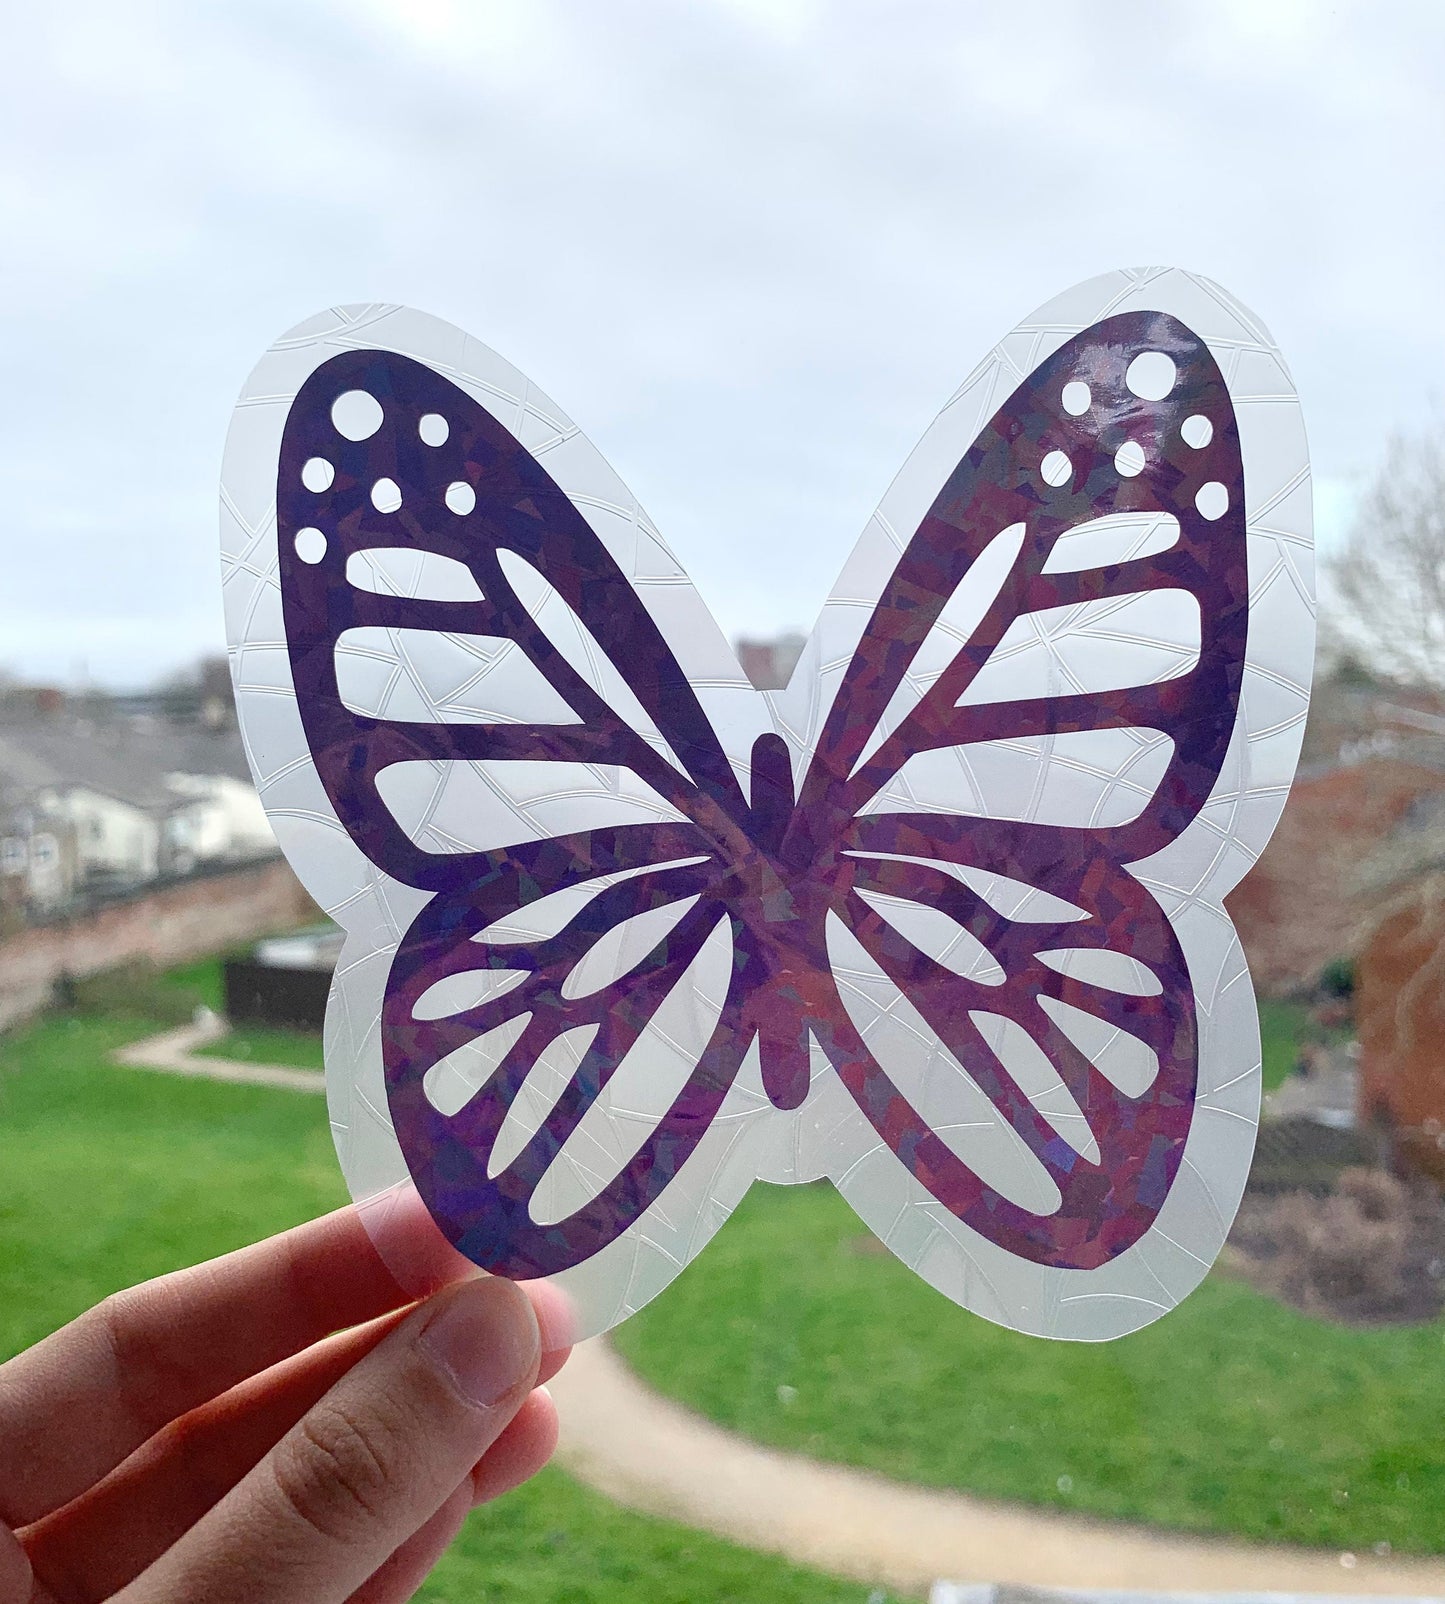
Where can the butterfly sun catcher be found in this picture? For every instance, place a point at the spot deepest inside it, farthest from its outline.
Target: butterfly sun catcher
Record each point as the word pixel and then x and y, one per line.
pixel 941 922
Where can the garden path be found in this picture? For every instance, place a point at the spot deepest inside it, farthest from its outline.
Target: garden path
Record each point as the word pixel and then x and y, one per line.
pixel 651 1454
pixel 174 1053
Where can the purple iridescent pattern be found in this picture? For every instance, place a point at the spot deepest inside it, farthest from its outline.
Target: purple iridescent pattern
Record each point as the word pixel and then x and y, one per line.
pixel 772 865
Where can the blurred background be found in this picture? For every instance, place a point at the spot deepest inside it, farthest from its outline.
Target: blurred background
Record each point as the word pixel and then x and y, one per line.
pixel 751 246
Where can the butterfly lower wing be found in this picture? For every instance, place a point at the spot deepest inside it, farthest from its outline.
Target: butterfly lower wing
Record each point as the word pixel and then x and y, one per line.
pixel 501 1053
pixel 466 670
pixel 1062 679
pixel 1093 1135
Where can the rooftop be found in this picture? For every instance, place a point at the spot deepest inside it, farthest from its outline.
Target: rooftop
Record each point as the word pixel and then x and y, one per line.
pixel 127 759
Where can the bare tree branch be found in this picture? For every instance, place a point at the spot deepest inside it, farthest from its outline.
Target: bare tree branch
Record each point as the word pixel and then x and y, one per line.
pixel 1390 578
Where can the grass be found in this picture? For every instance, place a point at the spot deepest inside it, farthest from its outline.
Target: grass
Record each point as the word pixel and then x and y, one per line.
pixel 259 1044
pixel 114 1175
pixel 555 1542
pixel 141 993
pixel 1284 1026
pixel 1231 1415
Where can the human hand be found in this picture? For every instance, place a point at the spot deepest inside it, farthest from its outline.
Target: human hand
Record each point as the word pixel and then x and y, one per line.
pixel 279 1426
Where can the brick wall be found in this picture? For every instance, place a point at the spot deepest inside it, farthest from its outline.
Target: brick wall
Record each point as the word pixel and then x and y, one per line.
pixel 168 925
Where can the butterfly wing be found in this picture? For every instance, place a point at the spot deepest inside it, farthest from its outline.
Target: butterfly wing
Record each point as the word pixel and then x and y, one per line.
pixel 489 761
pixel 1057 741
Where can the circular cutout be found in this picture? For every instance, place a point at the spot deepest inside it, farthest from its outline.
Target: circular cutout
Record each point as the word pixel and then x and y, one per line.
pixel 460 497
pixel 1056 469
pixel 310 545
pixel 1129 460
pixel 317 474
pixel 1197 431
pixel 1076 398
pixel 1212 500
pixel 356 414
pixel 1151 375
pixel 433 429
pixel 386 495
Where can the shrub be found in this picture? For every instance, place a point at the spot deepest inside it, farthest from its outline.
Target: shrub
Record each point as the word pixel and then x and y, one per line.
pixel 1337 978
pixel 1347 1252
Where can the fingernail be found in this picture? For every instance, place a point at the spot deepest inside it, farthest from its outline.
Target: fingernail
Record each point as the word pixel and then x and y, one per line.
pixel 484 1336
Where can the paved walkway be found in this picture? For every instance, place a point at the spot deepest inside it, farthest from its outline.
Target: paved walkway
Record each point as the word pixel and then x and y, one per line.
pixel 173 1052
pixel 651 1454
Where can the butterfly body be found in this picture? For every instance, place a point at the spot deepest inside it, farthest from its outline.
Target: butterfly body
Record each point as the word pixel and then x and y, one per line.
pixel 942 920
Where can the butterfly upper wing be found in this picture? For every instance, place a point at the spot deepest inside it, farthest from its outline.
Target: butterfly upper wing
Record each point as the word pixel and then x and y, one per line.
pixel 1047 693
pixel 496 719
pixel 485 517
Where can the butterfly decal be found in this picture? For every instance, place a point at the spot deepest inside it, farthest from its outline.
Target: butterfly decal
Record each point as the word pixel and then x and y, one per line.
pixel 942 921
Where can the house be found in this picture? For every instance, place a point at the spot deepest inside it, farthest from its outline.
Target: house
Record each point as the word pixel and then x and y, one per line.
pixel 224 819
pixel 125 801
pixel 37 861
pixel 1304 904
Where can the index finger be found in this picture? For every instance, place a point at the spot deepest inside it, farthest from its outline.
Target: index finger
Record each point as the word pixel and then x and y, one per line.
pixel 78 1403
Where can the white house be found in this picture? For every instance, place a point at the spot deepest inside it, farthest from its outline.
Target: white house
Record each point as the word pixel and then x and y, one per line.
pixel 136 798
pixel 218 819
pixel 116 839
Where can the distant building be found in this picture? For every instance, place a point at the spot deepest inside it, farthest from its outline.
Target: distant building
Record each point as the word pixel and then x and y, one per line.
pixel 1353 723
pixel 37 861
pixel 89 807
pixel 1305 902
pixel 769 664
pixel 222 820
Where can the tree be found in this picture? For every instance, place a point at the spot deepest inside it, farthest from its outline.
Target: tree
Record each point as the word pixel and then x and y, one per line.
pixel 1390 577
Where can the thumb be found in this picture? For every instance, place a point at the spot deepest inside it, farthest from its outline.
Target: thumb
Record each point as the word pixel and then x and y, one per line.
pixel 370 1463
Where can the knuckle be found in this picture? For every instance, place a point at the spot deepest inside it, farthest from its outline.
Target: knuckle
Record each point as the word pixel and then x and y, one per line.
pixel 109 1323
pixel 335 1471
pixel 119 1326
pixel 111 1327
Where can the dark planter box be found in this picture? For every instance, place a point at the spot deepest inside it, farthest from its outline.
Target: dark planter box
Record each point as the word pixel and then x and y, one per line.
pixel 265 994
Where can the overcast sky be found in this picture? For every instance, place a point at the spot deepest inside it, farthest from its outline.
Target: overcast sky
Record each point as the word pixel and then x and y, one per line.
pixel 750 245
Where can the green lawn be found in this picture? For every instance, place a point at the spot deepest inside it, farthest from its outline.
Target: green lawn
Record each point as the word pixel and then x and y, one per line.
pixel 1281 1027
pixel 1284 1025
pixel 258 1044
pixel 113 1175
pixel 1232 1414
